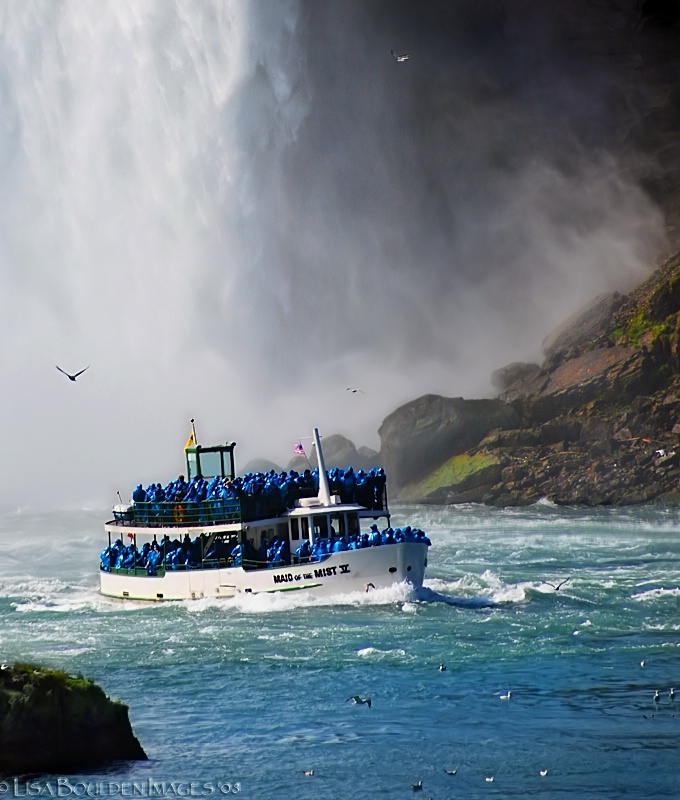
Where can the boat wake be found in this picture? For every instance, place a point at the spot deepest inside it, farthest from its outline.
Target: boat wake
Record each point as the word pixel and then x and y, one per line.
pixel 399 594
pixel 475 591
pixel 428 595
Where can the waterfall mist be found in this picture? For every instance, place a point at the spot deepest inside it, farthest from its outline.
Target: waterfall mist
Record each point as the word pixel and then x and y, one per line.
pixel 235 209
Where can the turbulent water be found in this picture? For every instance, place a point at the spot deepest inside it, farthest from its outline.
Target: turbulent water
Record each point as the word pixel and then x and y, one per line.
pixel 254 690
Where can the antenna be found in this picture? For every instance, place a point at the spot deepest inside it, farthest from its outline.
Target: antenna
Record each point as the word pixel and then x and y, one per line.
pixel 324 492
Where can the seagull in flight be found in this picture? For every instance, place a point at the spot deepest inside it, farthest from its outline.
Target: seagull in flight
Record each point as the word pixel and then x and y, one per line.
pixel 360 701
pixel 451 771
pixel 72 377
pixel 559 585
pixel 400 56
pixel 354 391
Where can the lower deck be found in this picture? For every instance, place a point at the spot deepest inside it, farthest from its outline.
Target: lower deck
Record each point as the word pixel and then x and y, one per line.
pixel 337 573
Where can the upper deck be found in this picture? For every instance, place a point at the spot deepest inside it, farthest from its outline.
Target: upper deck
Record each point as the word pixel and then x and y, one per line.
pixel 214 495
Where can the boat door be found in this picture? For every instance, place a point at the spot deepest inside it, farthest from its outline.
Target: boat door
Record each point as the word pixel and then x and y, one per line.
pixel 196 583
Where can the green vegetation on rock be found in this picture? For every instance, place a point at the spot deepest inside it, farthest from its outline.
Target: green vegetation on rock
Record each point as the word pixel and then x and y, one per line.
pixel 454 471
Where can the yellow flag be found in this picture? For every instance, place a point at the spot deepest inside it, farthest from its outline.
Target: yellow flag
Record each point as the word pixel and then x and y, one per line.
pixel 190 441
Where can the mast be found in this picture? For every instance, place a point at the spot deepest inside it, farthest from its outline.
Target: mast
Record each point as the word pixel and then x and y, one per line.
pixel 324 491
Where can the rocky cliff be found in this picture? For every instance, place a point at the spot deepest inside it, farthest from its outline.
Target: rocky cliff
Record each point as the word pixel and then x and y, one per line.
pixel 52 722
pixel 596 423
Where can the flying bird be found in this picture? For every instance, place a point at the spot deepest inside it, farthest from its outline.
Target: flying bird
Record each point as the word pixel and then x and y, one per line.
pixel 450 771
pixel 72 377
pixel 360 701
pixel 400 56
pixel 354 391
pixel 559 585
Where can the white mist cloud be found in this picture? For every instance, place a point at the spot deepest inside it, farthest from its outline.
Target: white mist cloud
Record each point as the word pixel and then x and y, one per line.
pixel 235 209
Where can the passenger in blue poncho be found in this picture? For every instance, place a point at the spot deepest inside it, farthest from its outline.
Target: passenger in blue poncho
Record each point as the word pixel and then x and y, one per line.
pixel 106 556
pixel 388 536
pixel 153 559
pixel 341 545
pixel 376 536
pixel 304 552
pixel 281 558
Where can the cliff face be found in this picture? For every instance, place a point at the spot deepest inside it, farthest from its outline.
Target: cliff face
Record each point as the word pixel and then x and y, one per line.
pixel 51 722
pixel 598 422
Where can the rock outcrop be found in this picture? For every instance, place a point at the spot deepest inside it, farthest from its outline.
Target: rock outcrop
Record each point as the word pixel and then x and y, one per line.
pixel 52 722
pixel 598 422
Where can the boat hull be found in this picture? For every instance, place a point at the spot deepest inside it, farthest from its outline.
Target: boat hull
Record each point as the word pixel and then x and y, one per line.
pixel 339 573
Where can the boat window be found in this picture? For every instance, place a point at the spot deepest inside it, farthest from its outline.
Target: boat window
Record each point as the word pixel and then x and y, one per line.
pixel 352 524
pixel 281 531
pixel 304 527
pixel 320 522
pixel 211 464
pixel 192 464
pixel 338 525
pixel 294 529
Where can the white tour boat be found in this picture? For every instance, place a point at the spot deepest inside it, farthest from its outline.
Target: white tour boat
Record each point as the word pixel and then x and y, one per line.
pixel 188 548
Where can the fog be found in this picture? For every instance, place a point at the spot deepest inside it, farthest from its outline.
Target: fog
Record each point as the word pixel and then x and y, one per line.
pixel 233 210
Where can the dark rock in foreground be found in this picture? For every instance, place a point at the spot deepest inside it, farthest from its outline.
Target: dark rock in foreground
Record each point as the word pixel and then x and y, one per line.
pixel 52 722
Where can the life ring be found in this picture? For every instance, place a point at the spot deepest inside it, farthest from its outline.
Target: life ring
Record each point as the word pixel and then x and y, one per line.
pixel 179 514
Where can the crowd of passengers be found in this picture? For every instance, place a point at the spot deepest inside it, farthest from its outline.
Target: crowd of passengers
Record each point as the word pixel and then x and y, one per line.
pixel 365 488
pixel 189 553
pixel 376 538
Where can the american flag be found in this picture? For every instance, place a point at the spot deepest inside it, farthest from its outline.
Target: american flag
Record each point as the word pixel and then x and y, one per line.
pixel 299 450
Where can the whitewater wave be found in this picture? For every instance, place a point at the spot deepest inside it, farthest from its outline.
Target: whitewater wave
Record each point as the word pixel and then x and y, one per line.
pixel 656 594
pixel 57 596
pixel 377 654
pixel 274 602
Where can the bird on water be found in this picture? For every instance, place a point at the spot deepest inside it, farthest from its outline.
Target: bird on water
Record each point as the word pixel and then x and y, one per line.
pixel 360 701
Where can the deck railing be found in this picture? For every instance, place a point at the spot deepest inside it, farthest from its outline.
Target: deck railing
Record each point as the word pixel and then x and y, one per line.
pixel 192 513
